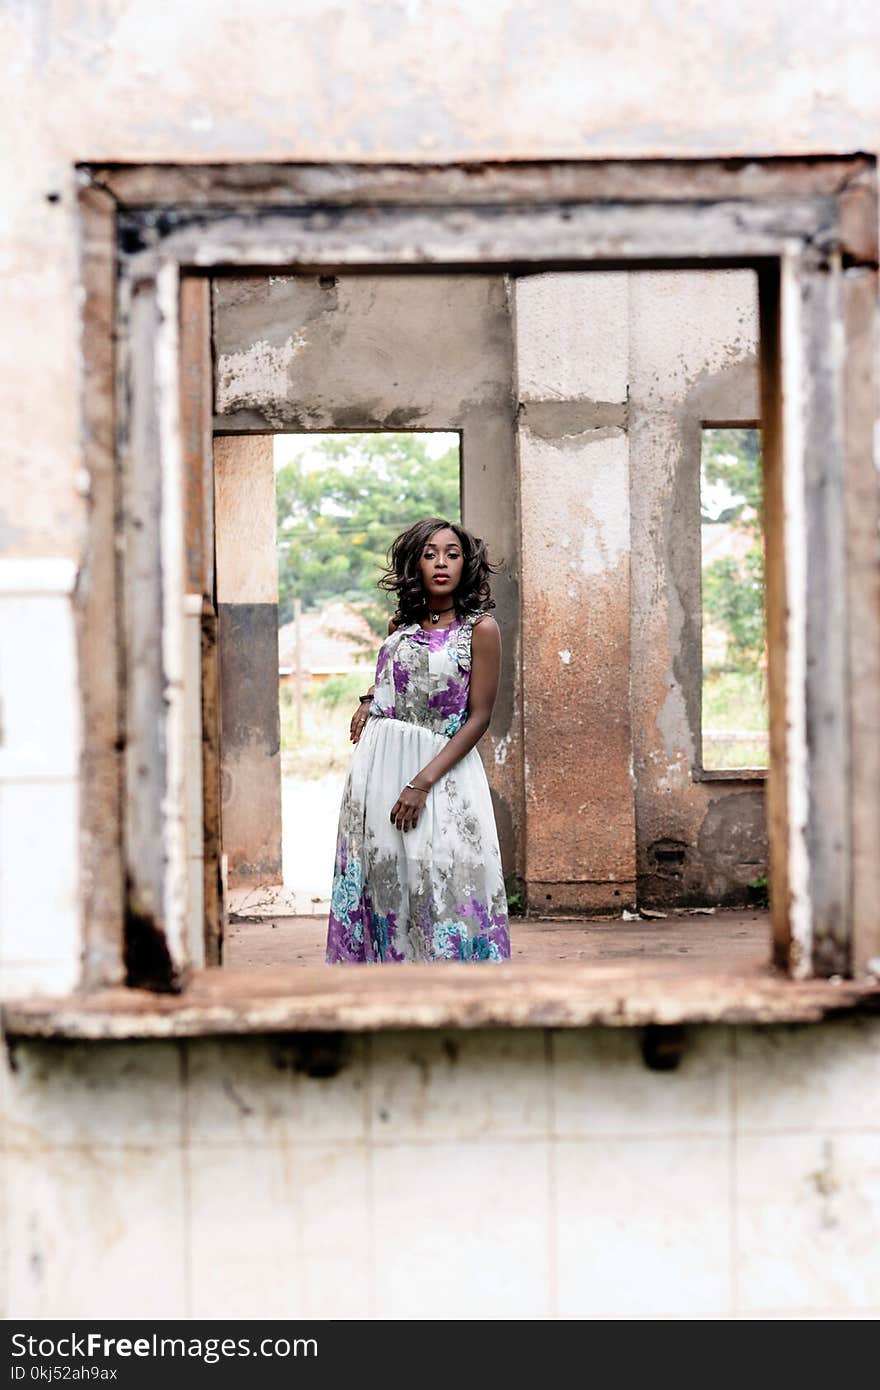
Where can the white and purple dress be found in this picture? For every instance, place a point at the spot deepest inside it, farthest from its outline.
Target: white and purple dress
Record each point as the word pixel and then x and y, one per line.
pixel 435 892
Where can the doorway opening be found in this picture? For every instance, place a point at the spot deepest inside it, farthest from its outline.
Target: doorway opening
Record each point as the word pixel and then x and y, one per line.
pixel 339 501
pixel 333 508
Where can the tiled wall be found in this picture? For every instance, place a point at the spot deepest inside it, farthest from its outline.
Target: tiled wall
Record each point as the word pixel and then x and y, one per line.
pixel 39 752
pixel 490 1175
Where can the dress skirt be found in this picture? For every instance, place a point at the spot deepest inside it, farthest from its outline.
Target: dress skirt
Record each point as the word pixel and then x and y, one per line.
pixel 435 892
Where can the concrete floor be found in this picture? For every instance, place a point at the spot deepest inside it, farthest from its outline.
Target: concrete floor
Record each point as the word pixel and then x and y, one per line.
pixel 734 940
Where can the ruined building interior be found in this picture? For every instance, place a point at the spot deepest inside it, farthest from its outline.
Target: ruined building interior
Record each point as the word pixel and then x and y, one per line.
pixel 580 400
pixel 567 236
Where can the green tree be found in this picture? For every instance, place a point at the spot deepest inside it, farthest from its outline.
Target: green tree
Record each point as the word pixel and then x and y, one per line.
pixel 336 521
pixel 733 590
pixel 733 457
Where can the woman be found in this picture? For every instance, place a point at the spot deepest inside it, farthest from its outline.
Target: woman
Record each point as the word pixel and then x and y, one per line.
pixel 417 875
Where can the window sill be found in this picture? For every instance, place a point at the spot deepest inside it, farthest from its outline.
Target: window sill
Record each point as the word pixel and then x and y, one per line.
pixel 512 995
pixel 732 774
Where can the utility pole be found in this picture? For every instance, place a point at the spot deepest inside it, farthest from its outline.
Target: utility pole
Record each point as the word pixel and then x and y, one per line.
pixel 297 664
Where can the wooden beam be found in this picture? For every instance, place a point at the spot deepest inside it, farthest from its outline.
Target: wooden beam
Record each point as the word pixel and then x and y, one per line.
pixel 96 606
pixel 517 237
pixel 829 825
pixel 863 598
pixel 150 453
pixel 196 416
pixel 455 995
pixel 196 429
pixel 490 183
pixel 214 906
pixel 776 611
pixel 808 215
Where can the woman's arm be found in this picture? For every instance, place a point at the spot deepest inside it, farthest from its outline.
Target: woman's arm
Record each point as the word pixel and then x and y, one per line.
pixel 485 670
pixel 362 713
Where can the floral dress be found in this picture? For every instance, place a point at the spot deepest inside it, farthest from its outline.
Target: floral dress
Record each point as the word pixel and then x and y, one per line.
pixel 435 892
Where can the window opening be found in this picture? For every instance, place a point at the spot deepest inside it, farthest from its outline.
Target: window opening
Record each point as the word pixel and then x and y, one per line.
pixel 735 720
pixel 809 229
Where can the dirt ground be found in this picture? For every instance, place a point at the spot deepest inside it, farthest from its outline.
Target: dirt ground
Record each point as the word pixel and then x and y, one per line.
pixel 738 939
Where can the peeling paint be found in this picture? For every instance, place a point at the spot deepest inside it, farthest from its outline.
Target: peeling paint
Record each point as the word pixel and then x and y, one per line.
pixel 257 373
pixel 673 727
pixel 501 749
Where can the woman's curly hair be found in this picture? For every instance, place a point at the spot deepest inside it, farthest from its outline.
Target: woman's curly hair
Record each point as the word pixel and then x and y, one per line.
pixel 403 577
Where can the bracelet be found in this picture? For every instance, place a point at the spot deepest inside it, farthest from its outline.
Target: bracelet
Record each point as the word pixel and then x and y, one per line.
pixel 364 697
pixel 418 789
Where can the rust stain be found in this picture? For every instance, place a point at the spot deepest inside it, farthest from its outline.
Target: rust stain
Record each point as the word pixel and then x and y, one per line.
pixel 578 738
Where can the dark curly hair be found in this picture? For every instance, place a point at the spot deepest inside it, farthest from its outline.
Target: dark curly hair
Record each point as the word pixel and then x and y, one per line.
pixel 403 577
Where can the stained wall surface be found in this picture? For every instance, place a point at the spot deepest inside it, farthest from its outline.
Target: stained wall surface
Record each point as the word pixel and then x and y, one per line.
pixel 247 615
pixel 693 348
pixel 745 1184
pixel 217 1179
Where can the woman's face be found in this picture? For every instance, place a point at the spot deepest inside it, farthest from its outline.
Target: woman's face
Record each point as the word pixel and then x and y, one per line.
pixel 441 565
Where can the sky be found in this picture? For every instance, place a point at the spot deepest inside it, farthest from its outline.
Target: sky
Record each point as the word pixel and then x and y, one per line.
pixel 302 446
pixel 715 497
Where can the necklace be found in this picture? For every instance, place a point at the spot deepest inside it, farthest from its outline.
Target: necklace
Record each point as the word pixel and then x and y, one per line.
pixel 435 617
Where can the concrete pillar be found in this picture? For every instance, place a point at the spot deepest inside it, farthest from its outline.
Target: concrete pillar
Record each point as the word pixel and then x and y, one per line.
pixel 247 600
pixel 692 361
pixel 572 348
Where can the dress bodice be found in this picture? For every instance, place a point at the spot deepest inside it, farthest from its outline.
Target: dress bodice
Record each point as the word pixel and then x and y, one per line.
pixel 424 677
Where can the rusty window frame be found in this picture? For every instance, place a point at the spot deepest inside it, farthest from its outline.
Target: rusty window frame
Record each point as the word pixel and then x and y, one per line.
pixel 809 229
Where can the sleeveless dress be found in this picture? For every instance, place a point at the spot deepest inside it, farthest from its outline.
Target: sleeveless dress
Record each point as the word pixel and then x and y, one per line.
pixel 435 892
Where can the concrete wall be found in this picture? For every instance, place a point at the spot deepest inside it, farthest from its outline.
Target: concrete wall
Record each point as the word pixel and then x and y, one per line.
pixel 216 1179
pixel 748 1181
pixel 692 360
pixel 572 335
pixel 617 374
pixel 247 614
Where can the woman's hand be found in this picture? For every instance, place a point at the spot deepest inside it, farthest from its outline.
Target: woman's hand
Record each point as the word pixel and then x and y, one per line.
pixel 358 720
pixel 405 811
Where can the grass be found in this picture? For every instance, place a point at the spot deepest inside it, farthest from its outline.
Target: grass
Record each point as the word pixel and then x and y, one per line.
pixel 323 745
pixel 735 705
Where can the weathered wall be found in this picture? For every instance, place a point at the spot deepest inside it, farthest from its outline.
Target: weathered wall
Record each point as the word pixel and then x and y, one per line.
pixel 247 614
pixel 749 1180
pixel 692 361
pixel 572 335
pixel 216 1179
pixel 616 375
pixel 396 352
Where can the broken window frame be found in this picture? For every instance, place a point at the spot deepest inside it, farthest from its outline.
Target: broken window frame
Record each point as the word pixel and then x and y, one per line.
pixel 809 229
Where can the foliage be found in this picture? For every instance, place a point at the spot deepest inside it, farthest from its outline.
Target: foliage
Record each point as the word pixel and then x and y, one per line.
pixel 323 747
pixel 336 521
pixel 734 706
pixel 339 690
pixel 759 892
pixel 733 597
pixel 513 888
pixel 733 590
pixel 733 457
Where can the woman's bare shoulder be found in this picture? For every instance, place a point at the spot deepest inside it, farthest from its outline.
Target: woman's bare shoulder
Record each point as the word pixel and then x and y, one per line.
pixel 486 631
